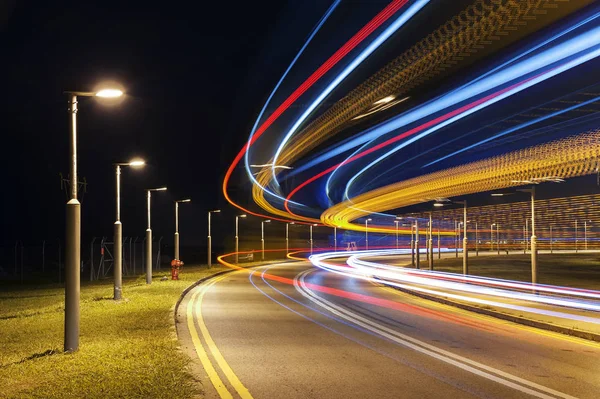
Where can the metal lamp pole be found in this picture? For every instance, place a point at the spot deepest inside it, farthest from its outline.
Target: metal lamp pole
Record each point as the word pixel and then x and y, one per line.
pixel 118 229
pixel 287 237
pixel 237 249
pixel 262 237
pixel 430 243
pixel 210 238
pixel 465 240
pixel 534 252
pixel 498 237
pixel 311 238
pixel 149 235
pixel 176 241
pixel 396 223
pixel 491 237
pixel 73 228
pixel 367 234
pixel 334 238
pixel 418 257
pixel 476 240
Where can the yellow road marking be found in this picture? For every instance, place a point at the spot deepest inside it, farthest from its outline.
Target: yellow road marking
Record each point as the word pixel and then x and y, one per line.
pixel 210 370
pixel 491 319
pixel 233 379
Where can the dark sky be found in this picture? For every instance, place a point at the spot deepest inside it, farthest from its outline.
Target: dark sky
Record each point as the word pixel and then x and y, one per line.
pixel 196 74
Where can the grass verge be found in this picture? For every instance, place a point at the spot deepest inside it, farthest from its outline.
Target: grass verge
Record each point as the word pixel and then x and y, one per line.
pixel 571 270
pixel 127 349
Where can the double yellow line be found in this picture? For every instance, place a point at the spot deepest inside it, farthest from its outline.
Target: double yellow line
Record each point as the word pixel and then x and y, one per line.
pixel 194 308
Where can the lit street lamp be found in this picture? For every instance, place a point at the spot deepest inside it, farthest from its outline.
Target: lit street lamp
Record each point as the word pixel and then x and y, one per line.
pixel 367 233
pixel 210 238
pixel 396 223
pixel 430 243
pixel 176 238
pixel 237 249
pixel 149 235
pixel 262 236
pixel 287 237
pixel 492 237
pixel 334 238
pixel 311 237
pixel 73 228
pixel 534 252
pixel 465 241
pixel 118 237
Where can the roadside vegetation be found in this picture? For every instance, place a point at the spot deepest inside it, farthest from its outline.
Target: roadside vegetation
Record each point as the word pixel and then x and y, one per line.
pixel 581 270
pixel 128 348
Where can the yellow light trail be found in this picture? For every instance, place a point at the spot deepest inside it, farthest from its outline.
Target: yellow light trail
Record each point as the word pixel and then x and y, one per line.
pixel 565 158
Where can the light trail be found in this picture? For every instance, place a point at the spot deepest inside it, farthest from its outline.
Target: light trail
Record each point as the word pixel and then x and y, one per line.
pixel 431 282
pixel 374 45
pixel 586 41
pixel 366 31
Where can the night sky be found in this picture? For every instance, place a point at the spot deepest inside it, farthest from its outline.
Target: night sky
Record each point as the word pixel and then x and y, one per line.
pixel 196 75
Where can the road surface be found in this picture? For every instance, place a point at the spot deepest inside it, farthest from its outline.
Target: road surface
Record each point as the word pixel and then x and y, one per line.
pixel 289 330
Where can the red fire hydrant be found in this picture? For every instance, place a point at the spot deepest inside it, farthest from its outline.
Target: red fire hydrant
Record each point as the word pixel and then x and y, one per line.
pixel 175 266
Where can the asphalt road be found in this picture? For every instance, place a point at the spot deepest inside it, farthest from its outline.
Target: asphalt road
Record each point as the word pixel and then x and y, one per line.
pixel 293 331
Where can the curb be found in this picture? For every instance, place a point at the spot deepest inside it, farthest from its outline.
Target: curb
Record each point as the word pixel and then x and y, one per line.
pixel 191 287
pixel 499 315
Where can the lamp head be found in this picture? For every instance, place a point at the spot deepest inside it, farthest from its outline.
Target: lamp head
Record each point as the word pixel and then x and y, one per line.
pixel 109 93
pixel 136 163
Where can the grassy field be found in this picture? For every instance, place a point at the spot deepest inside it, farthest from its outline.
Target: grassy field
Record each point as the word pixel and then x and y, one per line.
pixel 127 348
pixel 572 270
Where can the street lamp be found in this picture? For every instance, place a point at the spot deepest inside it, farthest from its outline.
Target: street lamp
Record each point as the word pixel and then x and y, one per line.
pixel 418 256
pixel 335 238
pixel 534 253
pixel 262 236
pixel 367 233
pixel 73 228
pixel 118 229
pixel 287 237
pixel 149 235
pixel 237 249
pixel 311 237
pixel 177 202
pixel 396 222
pixel 492 237
pixel 210 238
pixel 430 243
pixel 465 241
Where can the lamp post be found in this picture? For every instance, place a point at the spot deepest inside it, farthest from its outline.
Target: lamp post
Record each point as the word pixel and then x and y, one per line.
pixel 396 223
pixel 476 240
pixel 576 249
pixel 262 237
pixel 210 238
pixel 551 240
pixel 412 245
pixel 176 239
pixel 498 237
pixel 456 234
pixel 465 240
pixel 311 238
pixel 534 253
pixel 118 229
pixel 367 233
pixel 430 243
pixel 491 238
pixel 237 241
pixel 73 227
pixel 418 257
pixel 287 237
pixel 334 238
pixel 149 235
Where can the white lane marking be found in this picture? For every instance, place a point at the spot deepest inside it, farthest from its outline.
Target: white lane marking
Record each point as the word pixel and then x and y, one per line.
pixel 501 377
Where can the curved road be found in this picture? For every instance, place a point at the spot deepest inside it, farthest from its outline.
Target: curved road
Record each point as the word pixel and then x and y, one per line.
pixel 289 330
